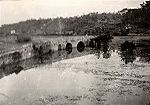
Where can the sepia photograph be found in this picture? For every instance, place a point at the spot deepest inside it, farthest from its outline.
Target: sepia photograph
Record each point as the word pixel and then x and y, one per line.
pixel 74 52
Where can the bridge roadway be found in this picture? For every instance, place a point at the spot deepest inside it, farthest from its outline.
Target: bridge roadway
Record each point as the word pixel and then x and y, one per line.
pixel 44 44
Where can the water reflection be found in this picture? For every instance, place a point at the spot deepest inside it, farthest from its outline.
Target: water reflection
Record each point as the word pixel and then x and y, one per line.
pixel 39 59
pixel 103 47
pixel 106 52
pixel 144 54
pixel 81 80
pixel 128 52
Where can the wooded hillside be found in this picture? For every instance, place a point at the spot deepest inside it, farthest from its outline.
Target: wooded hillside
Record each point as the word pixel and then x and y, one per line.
pixel 121 23
pixel 72 25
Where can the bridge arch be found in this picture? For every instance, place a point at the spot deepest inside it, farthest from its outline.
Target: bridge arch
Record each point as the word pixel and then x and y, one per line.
pixel 69 47
pixel 91 44
pixel 80 46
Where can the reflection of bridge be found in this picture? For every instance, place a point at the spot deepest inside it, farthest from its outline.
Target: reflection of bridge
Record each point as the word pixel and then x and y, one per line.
pixel 36 61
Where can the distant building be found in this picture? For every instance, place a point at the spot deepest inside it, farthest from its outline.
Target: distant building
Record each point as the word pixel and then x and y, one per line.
pixel 13 32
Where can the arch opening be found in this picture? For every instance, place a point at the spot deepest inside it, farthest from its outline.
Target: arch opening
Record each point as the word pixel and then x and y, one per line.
pixel 80 46
pixel 91 44
pixel 69 47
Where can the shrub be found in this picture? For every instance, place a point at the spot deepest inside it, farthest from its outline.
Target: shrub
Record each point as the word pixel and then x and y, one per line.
pixel 23 38
pixel 16 56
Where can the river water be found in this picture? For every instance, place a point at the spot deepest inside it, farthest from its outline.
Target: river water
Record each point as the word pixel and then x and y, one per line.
pixel 110 75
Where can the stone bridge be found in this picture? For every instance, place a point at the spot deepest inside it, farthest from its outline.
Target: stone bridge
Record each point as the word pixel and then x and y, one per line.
pixel 44 45
pixel 62 43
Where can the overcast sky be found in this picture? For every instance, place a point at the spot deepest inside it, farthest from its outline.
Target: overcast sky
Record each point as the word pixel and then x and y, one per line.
pixel 12 11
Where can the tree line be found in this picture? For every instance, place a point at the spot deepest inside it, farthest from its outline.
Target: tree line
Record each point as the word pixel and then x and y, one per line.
pixel 137 19
pixel 120 23
pixel 84 24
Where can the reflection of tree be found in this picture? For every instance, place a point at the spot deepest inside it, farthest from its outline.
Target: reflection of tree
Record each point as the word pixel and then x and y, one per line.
pixel 128 56
pixel 144 54
pixel 104 47
pixel 40 52
pixel 106 53
pixel 98 53
pixel 127 52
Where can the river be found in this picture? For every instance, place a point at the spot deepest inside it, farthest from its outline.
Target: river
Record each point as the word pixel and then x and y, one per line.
pixel 111 75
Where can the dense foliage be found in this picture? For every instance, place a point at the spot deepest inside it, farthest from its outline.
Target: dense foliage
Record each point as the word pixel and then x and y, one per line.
pixel 137 19
pixel 84 24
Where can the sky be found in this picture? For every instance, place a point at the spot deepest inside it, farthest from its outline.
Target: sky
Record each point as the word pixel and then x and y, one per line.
pixel 12 11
